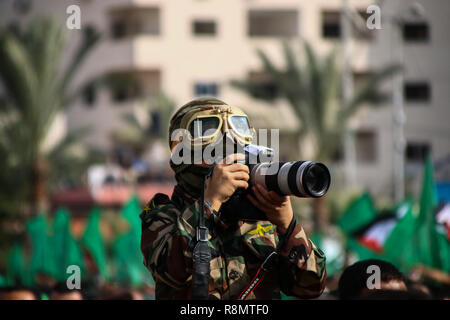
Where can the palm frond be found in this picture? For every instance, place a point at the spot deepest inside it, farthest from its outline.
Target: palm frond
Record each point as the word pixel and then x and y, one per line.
pixel 315 88
pixel 90 39
pixel 70 139
pixel 130 119
pixel 255 89
pixel 330 91
pixel 369 92
pixel 268 66
pixel 93 83
pixel 16 72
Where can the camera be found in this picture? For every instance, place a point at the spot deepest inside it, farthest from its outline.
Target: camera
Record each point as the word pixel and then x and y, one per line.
pixel 306 179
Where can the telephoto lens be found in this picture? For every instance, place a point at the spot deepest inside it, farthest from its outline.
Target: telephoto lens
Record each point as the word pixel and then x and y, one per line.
pixel 307 179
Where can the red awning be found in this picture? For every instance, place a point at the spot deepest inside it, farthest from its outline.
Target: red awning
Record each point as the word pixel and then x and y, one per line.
pixel 113 195
pixel 109 195
pixel 79 197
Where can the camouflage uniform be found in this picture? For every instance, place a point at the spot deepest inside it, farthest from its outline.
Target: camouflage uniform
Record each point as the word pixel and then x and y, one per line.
pixel 238 250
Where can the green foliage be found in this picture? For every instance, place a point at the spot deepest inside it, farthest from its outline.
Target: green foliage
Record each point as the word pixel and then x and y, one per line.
pixel 139 131
pixel 36 91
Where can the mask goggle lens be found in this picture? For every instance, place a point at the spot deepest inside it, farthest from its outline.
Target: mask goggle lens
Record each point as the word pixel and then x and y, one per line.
pixel 240 125
pixel 204 127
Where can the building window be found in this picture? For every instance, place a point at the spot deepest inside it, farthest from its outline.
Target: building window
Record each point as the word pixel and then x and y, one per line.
pixel 416 32
pixel 201 28
pixel 133 84
pixel 206 89
pixel 118 29
pixel 338 155
pixel 359 29
pixel 89 95
pixel 331 24
pixel 22 6
pixel 131 21
pixel 262 85
pixel 361 77
pixel 366 151
pixel 273 23
pixel 125 93
pixel 417 152
pixel 417 92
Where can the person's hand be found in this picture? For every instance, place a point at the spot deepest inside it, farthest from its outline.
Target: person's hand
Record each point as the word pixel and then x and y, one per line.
pixel 277 208
pixel 226 178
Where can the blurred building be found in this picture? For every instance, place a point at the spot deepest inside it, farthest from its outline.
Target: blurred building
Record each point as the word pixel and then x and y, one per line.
pixel 195 47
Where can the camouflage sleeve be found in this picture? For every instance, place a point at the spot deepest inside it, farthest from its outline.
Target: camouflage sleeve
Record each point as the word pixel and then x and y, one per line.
pixel 302 266
pixel 167 240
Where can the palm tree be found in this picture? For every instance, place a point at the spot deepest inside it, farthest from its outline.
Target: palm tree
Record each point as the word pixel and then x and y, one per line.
pixel 314 92
pixel 148 123
pixel 35 92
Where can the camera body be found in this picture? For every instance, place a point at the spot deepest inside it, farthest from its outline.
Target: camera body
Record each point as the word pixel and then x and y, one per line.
pixel 307 179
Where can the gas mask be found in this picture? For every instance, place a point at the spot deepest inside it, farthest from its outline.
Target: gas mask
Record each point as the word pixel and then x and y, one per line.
pixel 207 123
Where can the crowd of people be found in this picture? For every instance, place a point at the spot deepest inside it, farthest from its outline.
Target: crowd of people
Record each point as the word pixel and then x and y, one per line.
pixel 371 279
pixel 87 291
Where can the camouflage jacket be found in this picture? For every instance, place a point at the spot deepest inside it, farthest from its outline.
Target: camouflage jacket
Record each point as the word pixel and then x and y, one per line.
pixel 168 239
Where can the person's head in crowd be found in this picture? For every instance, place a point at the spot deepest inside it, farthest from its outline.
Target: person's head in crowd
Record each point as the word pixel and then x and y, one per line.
pixel 123 294
pixel 353 282
pixel 414 286
pixel 61 292
pixel 17 293
pixel 389 294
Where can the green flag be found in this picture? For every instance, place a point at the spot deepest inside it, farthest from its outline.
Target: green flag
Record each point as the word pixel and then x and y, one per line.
pixel 444 251
pixel 398 246
pixel 360 213
pixel 3 281
pixel 431 249
pixel 285 297
pixel 131 212
pixel 43 259
pixel 93 242
pixel 126 248
pixel 362 252
pixel 65 247
pixel 127 268
pixel 17 272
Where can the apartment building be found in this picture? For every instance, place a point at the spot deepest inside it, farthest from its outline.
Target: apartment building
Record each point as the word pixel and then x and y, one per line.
pixel 191 48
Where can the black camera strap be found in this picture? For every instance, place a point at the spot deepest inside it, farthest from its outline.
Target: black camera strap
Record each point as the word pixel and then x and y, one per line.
pixel 202 254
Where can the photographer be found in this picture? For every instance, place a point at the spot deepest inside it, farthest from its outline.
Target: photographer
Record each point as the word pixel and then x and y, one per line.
pixel 246 259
